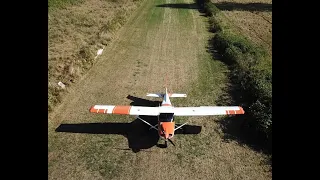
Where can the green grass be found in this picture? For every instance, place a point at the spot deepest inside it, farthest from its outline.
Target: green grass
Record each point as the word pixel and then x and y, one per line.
pixel 206 90
pixel 156 14
pixel 108 165
pixel 184 15
pixel 208 87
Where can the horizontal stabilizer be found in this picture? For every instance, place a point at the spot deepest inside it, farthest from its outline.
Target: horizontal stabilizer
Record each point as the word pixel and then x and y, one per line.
pixel 177 95
pixel 155 95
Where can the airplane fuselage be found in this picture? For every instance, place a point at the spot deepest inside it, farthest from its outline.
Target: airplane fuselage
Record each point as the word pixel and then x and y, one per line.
pixel 166 122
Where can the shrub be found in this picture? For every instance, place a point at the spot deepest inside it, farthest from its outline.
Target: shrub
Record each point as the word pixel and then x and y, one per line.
pixel 250 69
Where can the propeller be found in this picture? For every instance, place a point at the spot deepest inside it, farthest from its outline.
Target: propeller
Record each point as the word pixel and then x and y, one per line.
pixel 171 142
pixel 166 143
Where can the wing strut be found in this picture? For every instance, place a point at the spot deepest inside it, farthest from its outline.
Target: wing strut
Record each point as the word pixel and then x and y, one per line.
pixel 154 127
pixel 180 126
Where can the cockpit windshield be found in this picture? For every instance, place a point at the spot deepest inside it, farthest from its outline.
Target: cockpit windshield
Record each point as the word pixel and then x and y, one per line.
pixel 166 117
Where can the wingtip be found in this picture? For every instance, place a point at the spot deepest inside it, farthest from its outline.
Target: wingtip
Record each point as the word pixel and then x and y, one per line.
pixel 92 109
pixel 241 110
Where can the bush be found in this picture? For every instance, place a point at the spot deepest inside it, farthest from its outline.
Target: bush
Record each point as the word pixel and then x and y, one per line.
pixel 214 25
pixel 250 69
pixel 210 9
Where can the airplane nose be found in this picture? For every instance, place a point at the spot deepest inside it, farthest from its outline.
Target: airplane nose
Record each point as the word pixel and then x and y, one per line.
pixel 166 135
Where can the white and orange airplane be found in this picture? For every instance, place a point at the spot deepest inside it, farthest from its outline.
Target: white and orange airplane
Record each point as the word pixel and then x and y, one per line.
pixel 166 113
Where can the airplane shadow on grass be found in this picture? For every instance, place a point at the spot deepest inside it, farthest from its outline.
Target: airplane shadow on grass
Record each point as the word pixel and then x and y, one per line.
pixel 137 132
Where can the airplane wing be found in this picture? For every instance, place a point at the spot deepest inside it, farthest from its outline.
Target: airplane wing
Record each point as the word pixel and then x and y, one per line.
pixel 125 110
pixel 207 110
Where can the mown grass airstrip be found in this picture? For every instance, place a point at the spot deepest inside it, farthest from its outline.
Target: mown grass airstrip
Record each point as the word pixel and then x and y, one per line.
pixel 162 46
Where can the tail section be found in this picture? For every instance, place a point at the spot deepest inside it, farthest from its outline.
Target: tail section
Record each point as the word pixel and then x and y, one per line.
pixel 175 94
pixel 161 95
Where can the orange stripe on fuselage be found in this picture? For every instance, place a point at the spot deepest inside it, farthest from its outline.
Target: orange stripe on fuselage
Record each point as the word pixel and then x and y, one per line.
pixel 166 104
pixel 121 110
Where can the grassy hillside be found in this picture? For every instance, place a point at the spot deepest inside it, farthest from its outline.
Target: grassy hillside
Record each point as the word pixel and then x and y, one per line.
pixel 77 30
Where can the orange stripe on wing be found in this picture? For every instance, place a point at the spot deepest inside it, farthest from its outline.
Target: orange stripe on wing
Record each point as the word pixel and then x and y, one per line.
pixel 241 111
pixel 101 110
pixel 121 110
pixel 93 110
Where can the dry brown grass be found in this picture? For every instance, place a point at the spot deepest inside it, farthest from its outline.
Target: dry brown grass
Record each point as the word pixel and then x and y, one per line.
pixel 252 18
pixel 75 35
pixel 156 43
